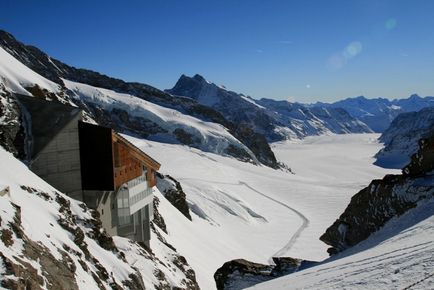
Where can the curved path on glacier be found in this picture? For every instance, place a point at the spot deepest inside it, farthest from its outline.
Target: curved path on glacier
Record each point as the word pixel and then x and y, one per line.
pixel 294 237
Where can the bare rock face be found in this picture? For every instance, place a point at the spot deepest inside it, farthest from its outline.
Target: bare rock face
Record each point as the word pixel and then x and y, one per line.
pixel 11 132
pixel 384 199
pixel 172 191
pixel 240 273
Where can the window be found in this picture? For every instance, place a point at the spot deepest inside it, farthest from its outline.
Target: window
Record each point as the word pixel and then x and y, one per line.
pixel 124 217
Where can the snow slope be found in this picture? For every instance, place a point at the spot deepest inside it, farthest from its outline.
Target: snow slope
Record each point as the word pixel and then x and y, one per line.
pixel 211 136
pixel 240 210
pixel 400 256
pixel 401 138
pixel 47 223
pixel 16 76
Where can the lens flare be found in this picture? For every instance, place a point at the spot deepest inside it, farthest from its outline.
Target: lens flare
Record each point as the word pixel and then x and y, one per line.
pixel 340 59
pixel 353 49
pixel 391 23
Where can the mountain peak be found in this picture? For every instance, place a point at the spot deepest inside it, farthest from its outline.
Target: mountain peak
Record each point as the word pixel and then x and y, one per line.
pixel 414 97
pixel 6 35
pixel 361 98
pixel 198 77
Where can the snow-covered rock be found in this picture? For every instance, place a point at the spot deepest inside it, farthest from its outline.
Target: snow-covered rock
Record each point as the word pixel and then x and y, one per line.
pixel 49 241
pixel 400 256
pixel 156 122
pixel 383 240
pixel 401 138
pixel 384 199
pixel 276 120
pixel 50 74
pixel 124 112
pixel 305 121
pixel 378 113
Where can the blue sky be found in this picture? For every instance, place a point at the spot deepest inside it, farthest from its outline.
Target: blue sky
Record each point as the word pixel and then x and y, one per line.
pixel 298 50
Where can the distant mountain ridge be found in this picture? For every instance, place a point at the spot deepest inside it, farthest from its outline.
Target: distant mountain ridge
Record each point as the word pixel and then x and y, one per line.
pixel 379 113
pixel 277 120
pixel 401 138
pixel 56 71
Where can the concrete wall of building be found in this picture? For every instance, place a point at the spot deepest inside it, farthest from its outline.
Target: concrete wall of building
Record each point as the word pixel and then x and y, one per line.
pixel 104 203
pixel 59 162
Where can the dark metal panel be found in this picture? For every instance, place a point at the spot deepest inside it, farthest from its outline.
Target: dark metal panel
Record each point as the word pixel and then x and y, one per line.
pixel 96 157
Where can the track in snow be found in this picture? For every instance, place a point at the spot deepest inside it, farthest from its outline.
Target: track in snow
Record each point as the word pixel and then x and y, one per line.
pixel 296 235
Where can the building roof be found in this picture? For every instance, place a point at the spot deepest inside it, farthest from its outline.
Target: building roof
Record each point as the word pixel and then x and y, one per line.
pixel 47 119
pixel 136 152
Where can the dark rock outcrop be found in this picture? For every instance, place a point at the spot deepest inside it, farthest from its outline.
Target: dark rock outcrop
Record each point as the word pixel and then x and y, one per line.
pixel 383 200
pixel 257 143
pixel 240 273
pixel 172 191
pixel 12 134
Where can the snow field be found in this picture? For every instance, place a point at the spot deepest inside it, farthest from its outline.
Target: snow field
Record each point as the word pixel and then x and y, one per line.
pixel 241 210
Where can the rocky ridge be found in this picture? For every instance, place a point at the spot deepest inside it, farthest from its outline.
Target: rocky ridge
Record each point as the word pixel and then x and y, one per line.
pixel 372 207
pixel 277 120
pixel 401 138
pixel 56 71
pixel 378 113
pixel 239 274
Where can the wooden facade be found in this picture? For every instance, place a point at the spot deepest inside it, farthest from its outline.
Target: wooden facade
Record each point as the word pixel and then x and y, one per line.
pixel 129 162
pixel 109 160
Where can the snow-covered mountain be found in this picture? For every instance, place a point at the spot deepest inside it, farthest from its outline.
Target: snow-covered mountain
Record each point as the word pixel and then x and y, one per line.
pixel 125 112
pixel 380 112
pixel 49 241
pixel 383 240
pixel 277 120
pixel 304 121
pixel 50 75
pixel 402 137
pixel 213 208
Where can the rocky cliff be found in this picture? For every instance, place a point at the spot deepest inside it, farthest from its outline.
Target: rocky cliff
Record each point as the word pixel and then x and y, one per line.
pixel 401 138
pixel 372 207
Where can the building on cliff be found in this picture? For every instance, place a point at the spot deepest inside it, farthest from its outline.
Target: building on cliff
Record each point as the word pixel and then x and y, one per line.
pixel 91 163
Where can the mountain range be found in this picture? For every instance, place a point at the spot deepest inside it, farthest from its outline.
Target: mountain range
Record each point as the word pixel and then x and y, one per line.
pixel 213 201
pixel 401 139
pixel 277 120
pixel 378 113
